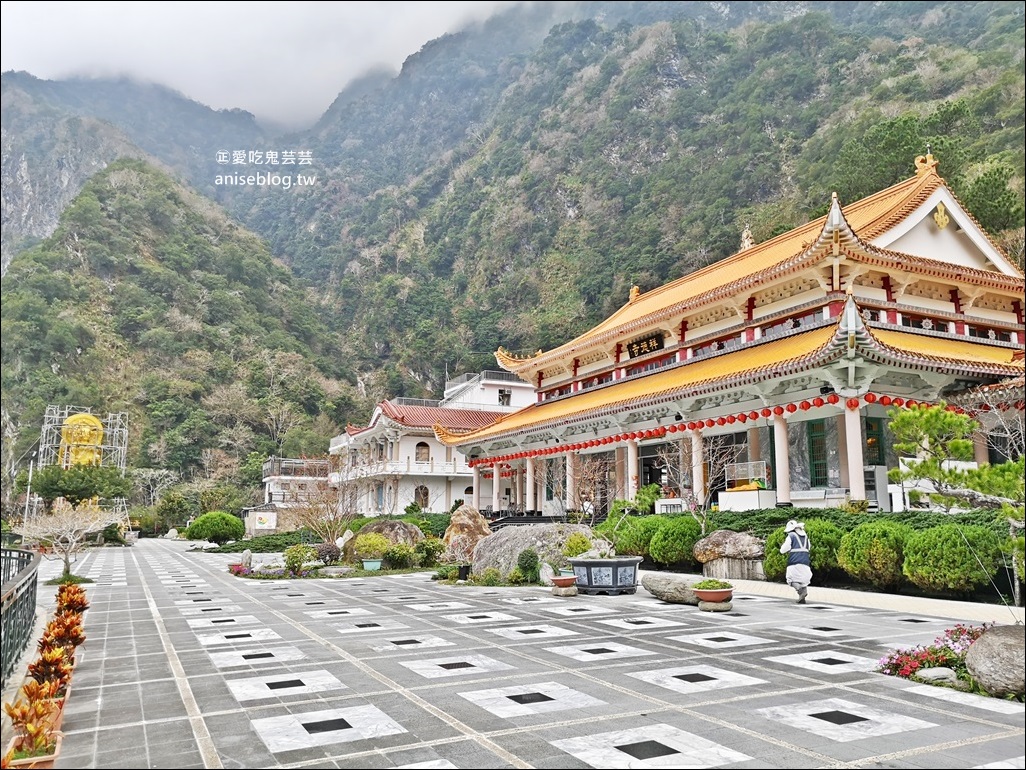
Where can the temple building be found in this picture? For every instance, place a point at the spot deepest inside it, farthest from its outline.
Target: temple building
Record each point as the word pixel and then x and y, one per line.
pixel 765 379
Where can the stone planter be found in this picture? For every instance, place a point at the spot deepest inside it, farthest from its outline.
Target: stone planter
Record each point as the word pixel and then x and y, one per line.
pixel 371 565
pixel 42 761
pixel 613 575
pixel 714 595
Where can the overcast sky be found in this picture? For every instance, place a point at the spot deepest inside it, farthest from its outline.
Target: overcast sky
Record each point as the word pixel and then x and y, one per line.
pixel 282 61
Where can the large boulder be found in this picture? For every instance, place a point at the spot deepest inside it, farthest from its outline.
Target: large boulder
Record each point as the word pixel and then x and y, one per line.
pixel 668 587
pixel 502 549
pixel 997 660
pixel 466 528
pixel 397 532
pixel 727 544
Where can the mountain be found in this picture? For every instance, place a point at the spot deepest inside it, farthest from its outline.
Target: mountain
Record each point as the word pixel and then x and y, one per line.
pixel 507 187
pixel 148 300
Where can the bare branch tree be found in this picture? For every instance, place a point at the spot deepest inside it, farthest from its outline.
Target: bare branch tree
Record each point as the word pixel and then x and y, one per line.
pixel 151 482
pixel 67 526
pixel 677 461
pixel 280 418
pixel 327 506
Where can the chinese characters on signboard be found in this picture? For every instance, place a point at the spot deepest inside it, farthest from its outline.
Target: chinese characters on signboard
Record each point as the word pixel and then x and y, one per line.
pixel 646 345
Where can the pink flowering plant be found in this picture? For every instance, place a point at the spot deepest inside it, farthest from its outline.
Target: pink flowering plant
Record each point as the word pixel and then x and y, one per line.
pixel 947 650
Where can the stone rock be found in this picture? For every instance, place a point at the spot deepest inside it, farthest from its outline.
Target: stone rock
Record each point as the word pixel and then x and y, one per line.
pixel 172 534
pixel 568 591
pixel 466 528
pixel 671 588
pixel 397 532
pixel 940 675
pixel 247 558
pixel 345 537
pixel 715 606
pixel 997 660
pixel 727 544
pixel 501 549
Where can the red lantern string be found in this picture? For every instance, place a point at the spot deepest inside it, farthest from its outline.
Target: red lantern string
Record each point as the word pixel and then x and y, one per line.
pixel 885 400
pixel 853 403
pixel 753 415
pixel 721 421
pixel 672 429
pixel 731 419
pixel 833 398
pixel 898 401
pixel 742 417
pixel 870 398
pixel 766 412
pixel 804 406
pixel 791 408
pixel 818 401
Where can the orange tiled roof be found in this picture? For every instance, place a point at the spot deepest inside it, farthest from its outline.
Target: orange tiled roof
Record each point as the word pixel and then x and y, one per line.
pixel 769 359
pixel 868 217
pixel 429 416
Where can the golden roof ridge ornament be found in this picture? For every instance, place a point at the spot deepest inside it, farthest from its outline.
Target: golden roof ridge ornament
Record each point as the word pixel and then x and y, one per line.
pixel 926 164
pixel 635 293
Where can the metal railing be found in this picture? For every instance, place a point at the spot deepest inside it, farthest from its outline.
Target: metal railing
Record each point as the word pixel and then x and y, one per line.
pixel 18 612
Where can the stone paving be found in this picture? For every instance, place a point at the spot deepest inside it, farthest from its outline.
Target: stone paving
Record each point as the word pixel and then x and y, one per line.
pixel 187 666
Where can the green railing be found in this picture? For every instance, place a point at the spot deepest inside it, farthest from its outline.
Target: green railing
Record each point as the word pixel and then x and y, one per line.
pixel 18 612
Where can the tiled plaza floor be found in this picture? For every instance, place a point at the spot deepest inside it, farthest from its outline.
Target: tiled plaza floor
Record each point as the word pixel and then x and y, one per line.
pixel 186 666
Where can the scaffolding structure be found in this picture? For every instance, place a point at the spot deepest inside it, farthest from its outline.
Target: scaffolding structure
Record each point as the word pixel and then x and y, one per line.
pixel 58 445
pixel 74 435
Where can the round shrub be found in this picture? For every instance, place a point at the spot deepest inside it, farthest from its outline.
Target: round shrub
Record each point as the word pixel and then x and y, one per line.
pixel 576 544
pixel 428 550
pixel 371 545
pixel 952 558
pixel 328 553
pixel 516 577
pixel 529 565
pixel 634 537
pixel 296 556
pixel 399 556
pixel 674 542
pixel 217 527
pixel 489 577
pixel 447 572
pixel 874 553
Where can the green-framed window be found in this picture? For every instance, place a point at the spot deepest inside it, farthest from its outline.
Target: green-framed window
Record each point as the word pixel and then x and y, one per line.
pixel 816 435
pixel 873 451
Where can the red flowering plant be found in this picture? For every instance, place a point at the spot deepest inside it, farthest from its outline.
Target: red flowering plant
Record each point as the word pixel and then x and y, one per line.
pixel 947 650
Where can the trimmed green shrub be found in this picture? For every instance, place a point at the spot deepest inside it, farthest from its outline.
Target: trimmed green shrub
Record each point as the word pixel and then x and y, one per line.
pixel 216 527
pixel 516 577
pixel 774 563
pixel 489 577
pixel 576 544
pixel 428 550
pixel 371 545
pixel 529 564
pixel 296 556
pixel 952 558
pixel 447 572
pixel 874 553
pixel 399 556
pixel 674 541
pixel 634 536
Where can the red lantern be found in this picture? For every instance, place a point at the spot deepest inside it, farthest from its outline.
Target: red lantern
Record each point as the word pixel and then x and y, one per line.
pixel 766 412
pixel 778 410
pixel 911 403
pixel 833 398
pixel 804 406
pixel 721 421
pixel 649 434
pixel 791 408
pixel 870 398
pixel 742 417
pixel 753 415
pixel 885 400
pixel 731 419
pixel 818 401
pixel 672 429
pixel 853 403
pixel 898 401
pixel 709 423
pixel 691 425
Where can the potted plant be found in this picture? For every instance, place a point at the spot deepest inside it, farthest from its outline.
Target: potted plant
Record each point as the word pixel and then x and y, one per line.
pixel 71 598
pixel 64 630
pixel 36 742
pixel 713 590
pixel 54 664
pixel 602 571
pixel 370 548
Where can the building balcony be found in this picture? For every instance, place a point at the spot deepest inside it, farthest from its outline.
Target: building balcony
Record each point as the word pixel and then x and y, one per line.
pixel 410 467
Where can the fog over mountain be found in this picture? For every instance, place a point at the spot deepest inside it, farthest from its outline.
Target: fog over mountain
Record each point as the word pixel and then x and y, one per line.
pixel 283 62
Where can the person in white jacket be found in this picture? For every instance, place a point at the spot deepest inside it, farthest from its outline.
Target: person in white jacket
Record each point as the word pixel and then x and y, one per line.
pixel 799 561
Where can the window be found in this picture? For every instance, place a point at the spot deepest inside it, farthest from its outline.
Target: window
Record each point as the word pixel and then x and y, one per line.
pixel 505 396
pixel 874 448
pixel 817 453
pixel 420 496
pixel 915 322
pixel 379 496
pixel 423 452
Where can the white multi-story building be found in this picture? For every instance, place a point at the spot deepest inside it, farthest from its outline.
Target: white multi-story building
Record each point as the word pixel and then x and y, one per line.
pixel 396 459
